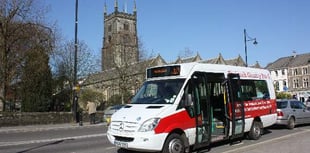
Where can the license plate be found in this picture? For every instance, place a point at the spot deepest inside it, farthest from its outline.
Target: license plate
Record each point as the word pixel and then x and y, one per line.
pixel 121 144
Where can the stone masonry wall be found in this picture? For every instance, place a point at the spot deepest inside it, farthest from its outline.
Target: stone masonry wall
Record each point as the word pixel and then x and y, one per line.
pixel 33 118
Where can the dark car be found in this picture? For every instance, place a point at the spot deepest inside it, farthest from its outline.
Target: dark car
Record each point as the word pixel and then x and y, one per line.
pixel 292 112
pixel 108 112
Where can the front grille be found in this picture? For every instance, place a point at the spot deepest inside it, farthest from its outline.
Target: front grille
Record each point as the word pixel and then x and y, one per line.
pixel 124 127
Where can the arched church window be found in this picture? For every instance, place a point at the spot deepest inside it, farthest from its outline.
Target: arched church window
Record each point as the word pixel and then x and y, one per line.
pixel 126 26
pixel 109 28
pixel 126 39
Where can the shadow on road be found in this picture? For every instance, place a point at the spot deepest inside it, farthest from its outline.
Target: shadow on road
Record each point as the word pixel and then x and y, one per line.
pixel 266 131
pixel 284 127
pixel 41 146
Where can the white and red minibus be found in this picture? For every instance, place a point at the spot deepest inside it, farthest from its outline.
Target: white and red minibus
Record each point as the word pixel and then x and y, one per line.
pixel 183 107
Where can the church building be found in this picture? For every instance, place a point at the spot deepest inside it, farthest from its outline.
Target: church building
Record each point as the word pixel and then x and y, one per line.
pixel 120 41
pixel 122 70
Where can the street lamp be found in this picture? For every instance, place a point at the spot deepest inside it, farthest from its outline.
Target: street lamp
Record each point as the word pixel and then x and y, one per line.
pixel 75 97
pixel 246 39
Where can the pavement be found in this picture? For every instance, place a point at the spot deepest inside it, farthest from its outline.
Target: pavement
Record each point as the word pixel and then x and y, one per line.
pixel 42 127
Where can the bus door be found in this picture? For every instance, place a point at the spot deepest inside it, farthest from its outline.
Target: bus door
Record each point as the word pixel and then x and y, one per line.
pixel 216 91
pixel 201 109
pixel 236 106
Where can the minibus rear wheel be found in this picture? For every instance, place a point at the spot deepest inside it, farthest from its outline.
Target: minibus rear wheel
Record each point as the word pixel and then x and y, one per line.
pixel 174 144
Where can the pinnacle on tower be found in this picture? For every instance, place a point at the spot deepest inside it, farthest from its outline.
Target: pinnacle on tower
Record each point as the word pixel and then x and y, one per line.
pixel 116 6
pixel 105 9
pixel 135 7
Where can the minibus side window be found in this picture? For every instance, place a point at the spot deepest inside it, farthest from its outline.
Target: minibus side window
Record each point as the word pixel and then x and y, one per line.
pixel 254 89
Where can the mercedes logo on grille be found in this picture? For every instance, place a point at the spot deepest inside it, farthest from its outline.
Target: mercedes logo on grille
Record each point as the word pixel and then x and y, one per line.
pixel 121 126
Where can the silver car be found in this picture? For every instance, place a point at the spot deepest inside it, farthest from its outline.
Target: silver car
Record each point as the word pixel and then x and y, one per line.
pixel 292 112
pixel 108 112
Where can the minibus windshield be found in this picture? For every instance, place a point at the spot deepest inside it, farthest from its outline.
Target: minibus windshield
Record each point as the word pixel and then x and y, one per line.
pixel 158 92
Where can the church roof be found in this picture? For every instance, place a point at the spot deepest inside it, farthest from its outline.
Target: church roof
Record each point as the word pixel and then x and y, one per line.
pixel 217 60
pixel 256 65
pixel 238 61
pixel 188 59
pixel 133 69
pixel 139 68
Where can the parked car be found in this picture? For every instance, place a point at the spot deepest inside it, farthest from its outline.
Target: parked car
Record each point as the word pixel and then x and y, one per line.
pixel 109 111
pixel 292 112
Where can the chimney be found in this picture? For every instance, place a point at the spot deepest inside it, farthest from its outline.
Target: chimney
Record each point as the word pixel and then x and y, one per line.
pixel 294 53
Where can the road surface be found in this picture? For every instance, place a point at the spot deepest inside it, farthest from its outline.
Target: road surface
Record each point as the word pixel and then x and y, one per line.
pixel 92 139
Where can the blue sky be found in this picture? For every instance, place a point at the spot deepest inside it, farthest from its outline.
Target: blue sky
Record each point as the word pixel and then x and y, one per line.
pixel 209 27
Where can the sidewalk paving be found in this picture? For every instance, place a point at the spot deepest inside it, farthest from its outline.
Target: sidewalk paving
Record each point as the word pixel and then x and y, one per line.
pixel 43 127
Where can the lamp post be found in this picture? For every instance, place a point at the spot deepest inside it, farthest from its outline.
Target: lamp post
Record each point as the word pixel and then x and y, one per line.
pixel 246 39
pixel 75 97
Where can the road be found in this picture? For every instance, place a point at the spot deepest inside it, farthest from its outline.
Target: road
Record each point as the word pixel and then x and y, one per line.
pixel 84 139
pixel 92 139
pixel 275 140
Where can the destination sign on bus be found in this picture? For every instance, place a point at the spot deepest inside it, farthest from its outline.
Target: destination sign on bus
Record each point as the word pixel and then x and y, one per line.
pixel 163 71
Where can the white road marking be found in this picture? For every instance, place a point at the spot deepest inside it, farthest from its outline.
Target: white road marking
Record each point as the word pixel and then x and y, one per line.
pixel 267 141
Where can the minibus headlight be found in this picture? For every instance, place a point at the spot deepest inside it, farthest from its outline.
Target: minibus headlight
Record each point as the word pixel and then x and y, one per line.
pixel 149 125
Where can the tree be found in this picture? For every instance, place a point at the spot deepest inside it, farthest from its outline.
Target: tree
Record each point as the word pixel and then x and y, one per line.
pixel 283 95
pixel 21 28
pixel 144 55
pixel 90 95
pixel 36 82
pixel 63 66
pixel 63 61
pixel 186 53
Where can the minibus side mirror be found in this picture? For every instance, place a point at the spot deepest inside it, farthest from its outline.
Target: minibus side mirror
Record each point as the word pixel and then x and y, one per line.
pixel 188 104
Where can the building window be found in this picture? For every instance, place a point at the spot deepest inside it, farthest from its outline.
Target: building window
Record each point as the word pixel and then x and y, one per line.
pixel 126 39
pixel 295 83
pixel 284 85
pixel 126 26
pixel 277 85
pixel 276 72
pixel 295 72
pixel 306 83
pixel 109 28
pixel 304 70
pixel 283 72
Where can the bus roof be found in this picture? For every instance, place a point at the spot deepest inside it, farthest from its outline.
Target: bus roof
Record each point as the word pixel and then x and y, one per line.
pixel 187 69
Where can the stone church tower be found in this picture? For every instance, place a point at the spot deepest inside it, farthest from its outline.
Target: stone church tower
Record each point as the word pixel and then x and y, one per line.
pixel 120 41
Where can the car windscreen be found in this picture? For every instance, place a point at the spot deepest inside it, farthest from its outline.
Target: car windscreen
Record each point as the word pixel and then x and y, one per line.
pixel 158 92
pixel 117 107
pixel 281 104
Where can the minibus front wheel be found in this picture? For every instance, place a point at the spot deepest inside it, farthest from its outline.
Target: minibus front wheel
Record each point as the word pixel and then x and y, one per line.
pixel 174 144
pixel 256 130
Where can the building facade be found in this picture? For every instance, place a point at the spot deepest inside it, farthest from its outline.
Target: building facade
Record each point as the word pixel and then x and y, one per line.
pixel 291 74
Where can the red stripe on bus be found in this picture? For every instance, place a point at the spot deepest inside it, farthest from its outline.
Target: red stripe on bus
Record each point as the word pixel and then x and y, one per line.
pixel 182 120
pixel 179 120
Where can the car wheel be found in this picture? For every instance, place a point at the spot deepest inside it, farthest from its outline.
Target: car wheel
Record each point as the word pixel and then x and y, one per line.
pixel 174 144
pixel 291 123
pixel 255 131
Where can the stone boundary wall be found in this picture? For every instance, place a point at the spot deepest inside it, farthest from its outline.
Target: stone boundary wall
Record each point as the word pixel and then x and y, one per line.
pixel 33 118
